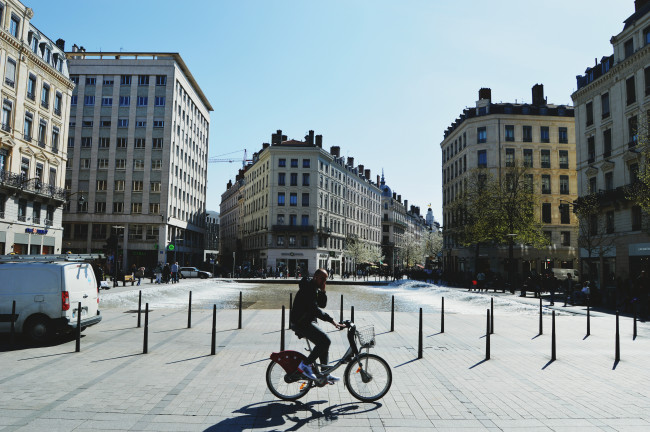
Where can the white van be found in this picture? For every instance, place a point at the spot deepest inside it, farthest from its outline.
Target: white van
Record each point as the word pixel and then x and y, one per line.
pixel 561 274
pixel 47 296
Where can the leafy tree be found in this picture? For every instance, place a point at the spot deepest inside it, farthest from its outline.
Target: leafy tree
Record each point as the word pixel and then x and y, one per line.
pixel 592 231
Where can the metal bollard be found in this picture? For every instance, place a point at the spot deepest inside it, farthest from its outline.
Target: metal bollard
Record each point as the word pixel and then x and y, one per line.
pixel 634 327
pixel 487 336
pixel 145 345
pixel 78 345
pixel 492 315
pixel 420 337
pixel 139 306
pixel 392 314
pixel 341 320
pixel 352 313
pixel 618 342
pixel 553 338
pixel 240 306
pixel 12 339
pixel 189 312
pixel 213 351
pixel 541 329
pixel 442 317
pixel 588 319
pixel 282 331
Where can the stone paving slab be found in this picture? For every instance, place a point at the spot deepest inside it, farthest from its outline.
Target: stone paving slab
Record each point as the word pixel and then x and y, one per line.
pixel 178 386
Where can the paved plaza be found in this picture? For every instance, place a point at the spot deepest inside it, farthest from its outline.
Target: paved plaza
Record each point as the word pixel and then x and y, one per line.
pixel 179 386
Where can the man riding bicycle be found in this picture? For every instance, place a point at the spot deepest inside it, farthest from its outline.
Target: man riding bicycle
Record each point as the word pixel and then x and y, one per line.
pixel 310 298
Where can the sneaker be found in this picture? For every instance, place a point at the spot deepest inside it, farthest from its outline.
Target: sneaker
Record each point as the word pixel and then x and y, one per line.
pixel 333 379
pixel 306 371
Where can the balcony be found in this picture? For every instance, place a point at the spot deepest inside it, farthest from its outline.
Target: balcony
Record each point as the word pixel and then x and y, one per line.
pixel 293 228
pixel 325 232
pixel 19 183
pixel 9 82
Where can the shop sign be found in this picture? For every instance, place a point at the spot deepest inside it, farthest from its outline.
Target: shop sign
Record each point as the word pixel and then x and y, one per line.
pixel 35 231
pixel 639 249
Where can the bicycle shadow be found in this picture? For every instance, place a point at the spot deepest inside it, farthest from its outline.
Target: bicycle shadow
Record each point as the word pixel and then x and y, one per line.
pixel 288 416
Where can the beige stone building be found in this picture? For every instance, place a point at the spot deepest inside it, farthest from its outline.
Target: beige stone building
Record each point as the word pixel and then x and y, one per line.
pixel 35 92
pixel 299 203
pixel 612 106
pixel 137 150
pixel 495 136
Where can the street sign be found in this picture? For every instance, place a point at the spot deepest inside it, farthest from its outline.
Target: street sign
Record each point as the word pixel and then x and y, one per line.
pixel 170 247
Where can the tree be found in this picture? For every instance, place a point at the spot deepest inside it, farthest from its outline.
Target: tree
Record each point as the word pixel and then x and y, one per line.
pixel 413 251
pixel 432 244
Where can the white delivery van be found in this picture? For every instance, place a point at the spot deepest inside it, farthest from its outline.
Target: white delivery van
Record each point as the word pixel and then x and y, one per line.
pixel 47 296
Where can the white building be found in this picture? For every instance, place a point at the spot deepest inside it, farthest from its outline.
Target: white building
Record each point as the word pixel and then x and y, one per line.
pixel 137 151
pixel 35 92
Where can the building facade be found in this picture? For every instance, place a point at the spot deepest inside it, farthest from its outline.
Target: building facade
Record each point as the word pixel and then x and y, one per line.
pixel 137 151
pixel 539 136
pixel 36 92
pixel 297 205
pixel 612 108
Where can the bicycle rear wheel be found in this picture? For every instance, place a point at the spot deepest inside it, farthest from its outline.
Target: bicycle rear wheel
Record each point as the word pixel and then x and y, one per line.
pixel 368 378
pixel 286 386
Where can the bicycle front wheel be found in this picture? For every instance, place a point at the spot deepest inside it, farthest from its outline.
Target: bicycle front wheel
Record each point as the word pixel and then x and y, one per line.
pixel 368 378
pixel 286 386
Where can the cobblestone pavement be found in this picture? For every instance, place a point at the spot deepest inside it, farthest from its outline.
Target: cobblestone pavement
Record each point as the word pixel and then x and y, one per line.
pixel 178 385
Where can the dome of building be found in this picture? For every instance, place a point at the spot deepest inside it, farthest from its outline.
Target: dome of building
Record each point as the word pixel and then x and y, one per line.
pixel 385 190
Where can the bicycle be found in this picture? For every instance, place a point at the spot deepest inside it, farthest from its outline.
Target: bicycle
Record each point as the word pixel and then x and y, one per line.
pixel 367 376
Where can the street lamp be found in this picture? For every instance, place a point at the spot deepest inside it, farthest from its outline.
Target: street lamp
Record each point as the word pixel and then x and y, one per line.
pixel 115 251
pixel 511 261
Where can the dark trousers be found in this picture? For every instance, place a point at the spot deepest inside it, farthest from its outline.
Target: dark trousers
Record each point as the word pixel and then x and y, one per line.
pixel 320 340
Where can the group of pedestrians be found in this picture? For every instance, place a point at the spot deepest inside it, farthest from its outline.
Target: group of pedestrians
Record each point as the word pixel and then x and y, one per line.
pixel 167 273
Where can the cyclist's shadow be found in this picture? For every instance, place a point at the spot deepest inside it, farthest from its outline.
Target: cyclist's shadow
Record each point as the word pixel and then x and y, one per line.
pixel 287 416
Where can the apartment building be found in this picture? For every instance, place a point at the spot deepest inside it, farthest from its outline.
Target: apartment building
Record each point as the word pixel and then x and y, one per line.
pixel 495 136
pixel 137 151
pixel 36 92
pixel 295 206
pixel 612 107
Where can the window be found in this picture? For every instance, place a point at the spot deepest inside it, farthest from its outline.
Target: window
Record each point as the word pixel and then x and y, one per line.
pixel 143 80
pixel 125 80
pixel 564 159
pixel 31 87
pixel 591 149
pixel 13 25
pixel 565 238
pixel 108 81
pixel 105 123
pixel 102 164
pixel 140 143
pixel 565 216
pixel 546 158
pixel 87 123
pixel 89 100
pixel 510 133
pixel 74 79
pixel 55 139
pixel 42 132
pixel 140 123
pixel 546 212
pixel 158 124
pixel 607 143
pixel 154 186
pixel 107 101
pixel 294 179
pixel 70 142
pixel 137 186
pixel 481 135
pixel 306 163
pixel 58 101
pixel 305 179
pixel 305 200
pixel 281 179
pixel 84 164
pixel 482 158
pixel 100 207
pixel 143 100
pixel 590 113
pixel 604 105
pixel 293 220
pixel 280 219
pixel 628 47
pixel 156 164
pixel 138 164
pixel 510 157
pixel 281 198
pixel 632 128
pixel 293 199
pixel 161 80
pixel 282 163
pixel 125 101
pixel 118 207
pixel 528 182
pixel 159 101
pixel 101 185
pixel 45 96
pixel 304 220
pixel 593 185
pixel 120 164
pixel 636 218
pixel 294 163
pixel 280 240
pixel 73 100
pixel 527 132
pixel 136 208
pixel 91 81
pixel 10 72
pixel 122 122
pixel 630 90
pixel 564 185
pixel 157 143
pixel 86 142
pixel 304 241
pixel 121 142
pixel 609 218
pixel 528 158
pixel 544 134
pixel 27 130
pixel 634 172
pixel 609 180
pixel 546 184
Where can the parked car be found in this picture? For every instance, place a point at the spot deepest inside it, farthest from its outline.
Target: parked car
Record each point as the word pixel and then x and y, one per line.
pixel 47 296
pixel 192 272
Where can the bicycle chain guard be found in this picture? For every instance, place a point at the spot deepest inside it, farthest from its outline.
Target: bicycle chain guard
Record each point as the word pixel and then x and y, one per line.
pixel 289 360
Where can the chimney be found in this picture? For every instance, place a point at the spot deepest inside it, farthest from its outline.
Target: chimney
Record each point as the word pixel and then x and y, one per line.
pixel 319 141
pixel 639 4
pixel 310 140
pixel 276 138
pixel 284 138
pixel 335 151
pixel 367 173
pixel 399 198
pixel 75 48
pixel 485 93
pixel 394 195
pixel 378 180
pixel 229 185
pixel 61 44
pixel 360 169
pixel 350 161
pixel 264 145
pixel 538 95
pixel 406 203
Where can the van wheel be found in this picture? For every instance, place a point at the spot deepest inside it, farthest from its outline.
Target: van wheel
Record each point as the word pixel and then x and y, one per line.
pixel 38 329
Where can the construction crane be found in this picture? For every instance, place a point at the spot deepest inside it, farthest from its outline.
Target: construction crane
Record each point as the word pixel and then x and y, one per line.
pixel 217 159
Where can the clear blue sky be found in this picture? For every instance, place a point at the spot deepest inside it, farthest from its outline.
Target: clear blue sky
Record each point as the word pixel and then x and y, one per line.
pixel 382 79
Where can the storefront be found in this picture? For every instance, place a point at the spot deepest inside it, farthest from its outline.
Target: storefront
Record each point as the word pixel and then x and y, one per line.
pixel 639 254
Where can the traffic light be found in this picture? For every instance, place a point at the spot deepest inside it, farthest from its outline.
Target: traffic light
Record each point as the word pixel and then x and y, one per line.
pixel 111 243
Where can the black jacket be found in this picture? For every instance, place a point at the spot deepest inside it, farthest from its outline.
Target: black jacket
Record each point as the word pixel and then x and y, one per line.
pixel 305 308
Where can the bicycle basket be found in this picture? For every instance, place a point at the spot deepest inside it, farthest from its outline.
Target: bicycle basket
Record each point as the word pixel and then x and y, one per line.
pixel 366 336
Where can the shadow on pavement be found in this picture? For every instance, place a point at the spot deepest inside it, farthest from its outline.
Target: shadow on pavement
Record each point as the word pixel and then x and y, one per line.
pixel 288 416
pixel 21 342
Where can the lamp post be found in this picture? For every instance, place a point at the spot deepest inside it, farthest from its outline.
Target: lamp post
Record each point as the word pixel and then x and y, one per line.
pixel 511 261
pixel 115 252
